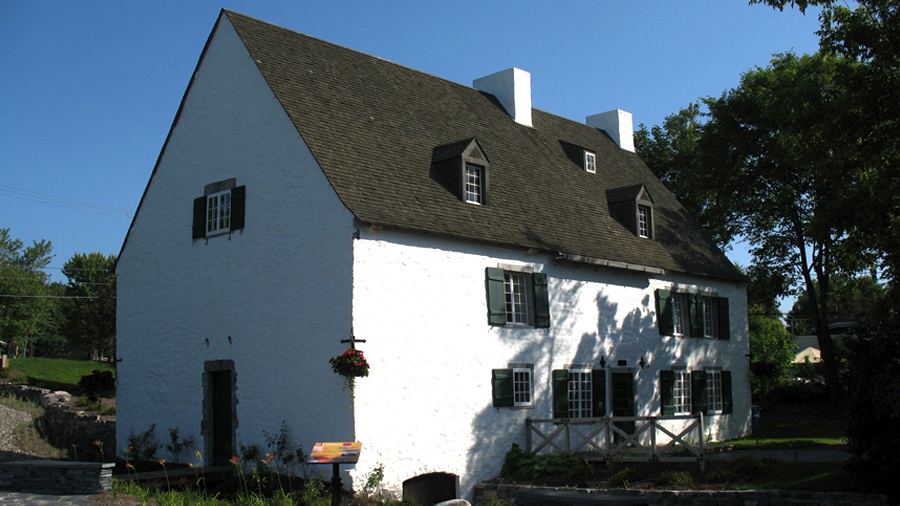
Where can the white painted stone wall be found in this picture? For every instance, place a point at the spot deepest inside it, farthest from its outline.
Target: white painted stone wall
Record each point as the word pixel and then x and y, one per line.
pixel 294 282
pixel 280 289
pixel 420 303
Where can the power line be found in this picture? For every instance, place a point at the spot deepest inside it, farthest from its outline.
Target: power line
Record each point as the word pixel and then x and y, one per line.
pixel 44 198
pixel 44 297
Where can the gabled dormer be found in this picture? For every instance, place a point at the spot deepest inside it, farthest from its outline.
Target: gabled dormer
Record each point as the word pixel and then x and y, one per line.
pixel 462 168
pixel 632 206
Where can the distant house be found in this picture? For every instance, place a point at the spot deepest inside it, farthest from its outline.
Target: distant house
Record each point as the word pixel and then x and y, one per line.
pixel 499 261
pixel 808 345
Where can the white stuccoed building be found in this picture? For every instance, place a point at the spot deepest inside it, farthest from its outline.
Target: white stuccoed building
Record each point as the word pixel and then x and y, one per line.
pixel 499 266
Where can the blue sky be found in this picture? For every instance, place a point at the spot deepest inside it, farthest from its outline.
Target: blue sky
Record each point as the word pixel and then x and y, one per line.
pixel 90 88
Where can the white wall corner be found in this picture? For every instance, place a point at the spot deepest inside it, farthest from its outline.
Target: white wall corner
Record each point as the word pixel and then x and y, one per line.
pixel 512 87
pixel 618 124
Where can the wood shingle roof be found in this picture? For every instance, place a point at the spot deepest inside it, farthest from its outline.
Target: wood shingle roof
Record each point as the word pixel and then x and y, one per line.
pixel 374 126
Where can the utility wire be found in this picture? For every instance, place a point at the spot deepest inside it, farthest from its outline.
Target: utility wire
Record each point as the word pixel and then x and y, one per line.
pixel 44 198
pixel 44 297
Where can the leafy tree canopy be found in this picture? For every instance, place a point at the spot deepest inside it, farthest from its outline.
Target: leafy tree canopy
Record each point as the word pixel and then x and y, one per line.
pixel 25 313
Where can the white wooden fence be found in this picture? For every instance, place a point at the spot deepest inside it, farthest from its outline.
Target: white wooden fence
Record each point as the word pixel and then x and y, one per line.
pixel 605 439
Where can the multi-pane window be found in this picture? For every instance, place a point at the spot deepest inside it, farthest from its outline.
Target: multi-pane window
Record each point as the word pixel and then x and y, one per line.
pixel 644 221
pixel 710 324
pixel 682 392
pixel 516 290
pixel 679 314
pixel 580 394
pixel 590 162
pixel 474 184
pixel 714 399
pixel 522 387
pixel 218 212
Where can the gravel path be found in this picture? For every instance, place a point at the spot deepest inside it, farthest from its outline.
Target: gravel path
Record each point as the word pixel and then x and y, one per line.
pixel 9 420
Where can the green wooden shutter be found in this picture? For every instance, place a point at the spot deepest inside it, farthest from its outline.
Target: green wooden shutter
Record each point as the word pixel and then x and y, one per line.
pixel 496 297
pixel 667 392
pixel 664 312
pixel 541 301
pixel 698 392
pixel 238 205
pixel 199 224
pixel 560 393
pixel 598 392
pixel 727 400
pixel 502 387
pixel 695 302
pixel 724 319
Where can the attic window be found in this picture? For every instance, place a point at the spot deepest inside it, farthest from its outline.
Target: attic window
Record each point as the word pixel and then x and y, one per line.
pixel 590 162
pixel 463 169
pixel 220 210
pixel 632 206
pixel 474 184
pixel 645 217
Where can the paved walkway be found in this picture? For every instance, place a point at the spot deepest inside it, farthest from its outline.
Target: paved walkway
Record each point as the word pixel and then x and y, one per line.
pixel 21 499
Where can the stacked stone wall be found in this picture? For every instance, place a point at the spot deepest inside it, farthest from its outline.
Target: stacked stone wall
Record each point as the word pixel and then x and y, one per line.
pixel 66 428
pixel 485 492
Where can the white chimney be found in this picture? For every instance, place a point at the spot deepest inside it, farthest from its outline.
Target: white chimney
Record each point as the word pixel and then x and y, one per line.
pixel 618 124
pixel 512 87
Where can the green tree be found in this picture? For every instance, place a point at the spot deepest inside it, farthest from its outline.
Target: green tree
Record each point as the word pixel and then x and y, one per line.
pixel 26 313
pixel 771 352
pixel 92 309
pixel 675 152
pixel 782 138
pixel 852 299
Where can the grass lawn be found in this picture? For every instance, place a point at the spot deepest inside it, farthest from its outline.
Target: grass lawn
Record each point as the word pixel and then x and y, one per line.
pixel 795 426
pixel 56 374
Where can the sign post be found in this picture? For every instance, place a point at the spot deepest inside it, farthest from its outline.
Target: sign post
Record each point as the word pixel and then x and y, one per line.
pixel 335 454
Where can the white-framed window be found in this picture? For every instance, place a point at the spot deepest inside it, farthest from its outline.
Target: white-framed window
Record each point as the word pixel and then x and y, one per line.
pixel 715 401
pixel 682 391
pixel 474 184
pixel 522 387
pixel 590 162
pixel 218 212
pixel 680 321
pixel 517 301
pixel 644 221
pixel 580 393
pixel 710 321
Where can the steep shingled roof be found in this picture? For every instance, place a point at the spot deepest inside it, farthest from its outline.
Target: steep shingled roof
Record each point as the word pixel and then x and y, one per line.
pixel 373 127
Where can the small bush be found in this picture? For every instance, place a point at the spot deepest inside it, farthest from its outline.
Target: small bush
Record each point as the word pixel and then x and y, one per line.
pixel 721 476
pixel 624 477
pixel 96 382
pixel 4 373
pixel 142 447
pixel 676 479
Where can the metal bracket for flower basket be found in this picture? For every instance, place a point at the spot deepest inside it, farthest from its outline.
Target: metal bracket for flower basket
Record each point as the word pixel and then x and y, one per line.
pixel 335 454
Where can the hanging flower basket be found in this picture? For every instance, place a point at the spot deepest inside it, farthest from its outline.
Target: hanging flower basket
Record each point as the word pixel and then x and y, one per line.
pixel 350 364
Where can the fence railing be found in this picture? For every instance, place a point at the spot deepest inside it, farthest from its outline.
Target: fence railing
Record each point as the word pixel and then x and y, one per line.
pixel 625 438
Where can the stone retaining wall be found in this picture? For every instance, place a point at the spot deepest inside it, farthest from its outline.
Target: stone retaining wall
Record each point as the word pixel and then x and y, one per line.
pixel 56 477
pixel 66 428
pixel 701 498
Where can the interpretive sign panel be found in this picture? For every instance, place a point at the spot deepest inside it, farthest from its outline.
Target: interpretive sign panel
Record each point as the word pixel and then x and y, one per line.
pixel 335 453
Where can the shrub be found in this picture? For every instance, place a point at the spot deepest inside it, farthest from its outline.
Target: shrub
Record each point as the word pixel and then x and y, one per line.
pixel 721 476
pixel 521 465
pixel 676 479
pixel 142 447
pixel 624 477
pixel 96 382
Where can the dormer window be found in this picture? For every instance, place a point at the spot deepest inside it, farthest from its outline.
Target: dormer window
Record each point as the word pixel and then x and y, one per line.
pixel 590 162
pixel 645 217
pixel 474 184
pixel 463 169
pixel 633 208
